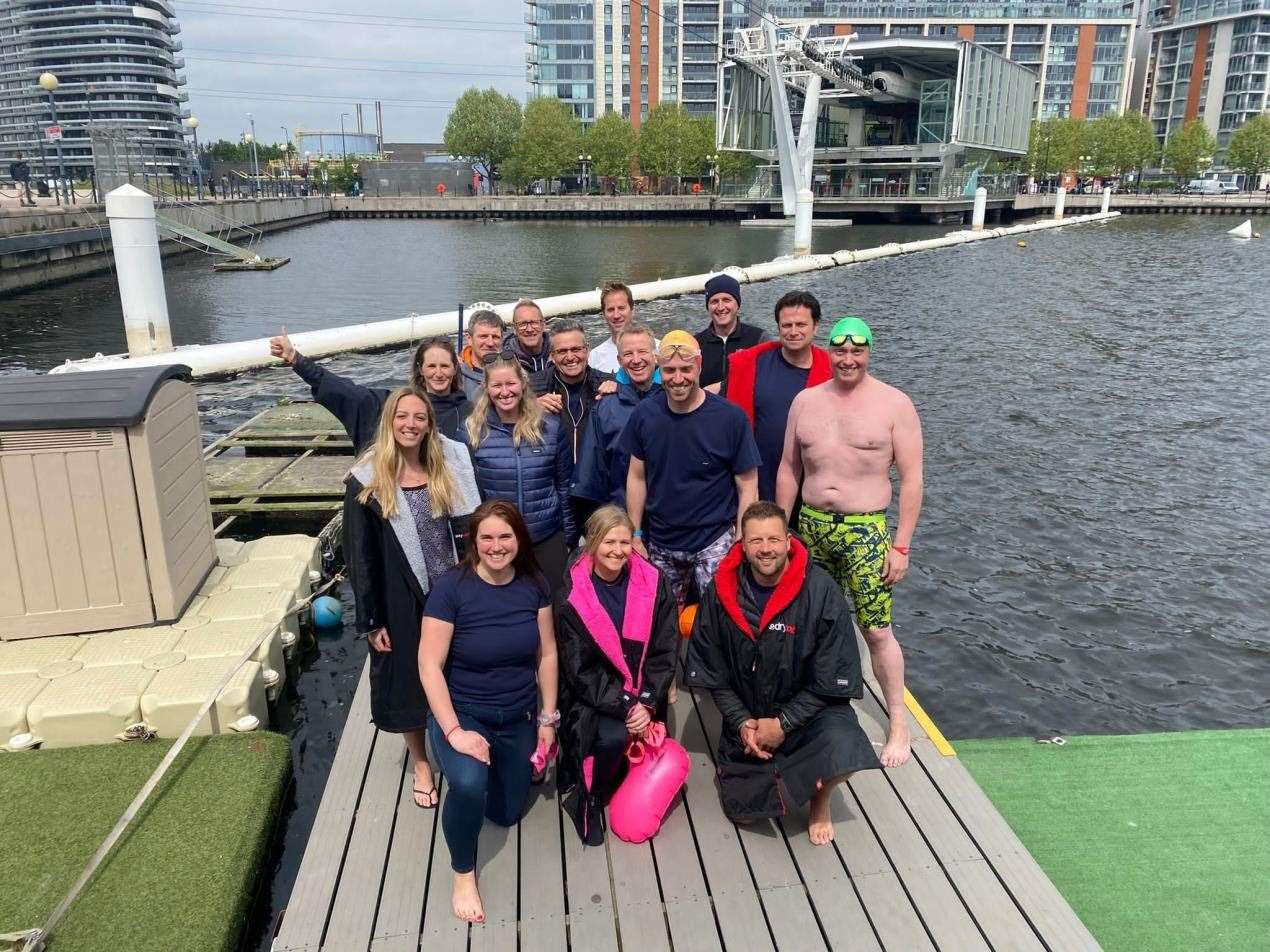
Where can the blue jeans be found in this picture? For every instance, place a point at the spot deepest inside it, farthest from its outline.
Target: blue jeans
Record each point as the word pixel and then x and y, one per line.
pixel 498 791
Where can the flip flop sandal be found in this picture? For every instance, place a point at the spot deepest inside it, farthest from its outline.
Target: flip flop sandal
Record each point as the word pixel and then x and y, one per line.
pixel 428 795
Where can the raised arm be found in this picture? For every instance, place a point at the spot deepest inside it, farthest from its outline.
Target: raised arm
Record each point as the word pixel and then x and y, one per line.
pixel 355 406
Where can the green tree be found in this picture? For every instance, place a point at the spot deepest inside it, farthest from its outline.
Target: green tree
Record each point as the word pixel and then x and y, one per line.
pixel 665 138
pixel 547 144
pixel 482 128
pixel 1054 146
pixel 1117 143
pixel 1189 150
pixel 1249 150
pixel 611 145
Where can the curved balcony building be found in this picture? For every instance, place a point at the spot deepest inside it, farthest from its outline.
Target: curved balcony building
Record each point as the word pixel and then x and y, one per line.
pixel 119 73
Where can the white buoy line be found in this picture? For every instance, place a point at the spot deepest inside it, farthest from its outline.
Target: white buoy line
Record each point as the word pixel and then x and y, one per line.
pixel 208 360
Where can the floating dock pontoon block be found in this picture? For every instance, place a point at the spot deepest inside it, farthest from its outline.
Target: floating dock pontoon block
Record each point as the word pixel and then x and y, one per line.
pixel 17 691
pixel 269 605
pixel 131 646
pixel 307 548
pixel 229 639
pixel 88 705
pixel 179 689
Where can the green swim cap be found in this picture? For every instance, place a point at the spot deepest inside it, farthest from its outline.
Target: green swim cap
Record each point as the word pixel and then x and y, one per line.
pixel 850 327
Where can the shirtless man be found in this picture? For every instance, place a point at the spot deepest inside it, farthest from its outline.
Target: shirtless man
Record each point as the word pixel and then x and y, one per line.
pixel 842 439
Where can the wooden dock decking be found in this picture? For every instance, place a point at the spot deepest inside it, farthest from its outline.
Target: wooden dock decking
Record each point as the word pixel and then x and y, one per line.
pixel 287 461
pixel 921 861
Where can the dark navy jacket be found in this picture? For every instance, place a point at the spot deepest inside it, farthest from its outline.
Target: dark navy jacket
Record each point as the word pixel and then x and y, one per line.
pixel 533 476
pixel 600 474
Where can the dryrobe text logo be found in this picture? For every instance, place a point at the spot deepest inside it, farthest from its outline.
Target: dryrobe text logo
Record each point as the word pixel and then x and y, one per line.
pixel 783 628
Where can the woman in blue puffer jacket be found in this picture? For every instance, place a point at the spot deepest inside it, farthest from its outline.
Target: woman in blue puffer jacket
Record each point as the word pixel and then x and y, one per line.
pixel 518 455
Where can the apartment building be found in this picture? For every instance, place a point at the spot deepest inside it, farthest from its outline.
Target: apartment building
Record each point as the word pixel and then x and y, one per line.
pixel 627 57
pixel 118 69
pixel 1210 60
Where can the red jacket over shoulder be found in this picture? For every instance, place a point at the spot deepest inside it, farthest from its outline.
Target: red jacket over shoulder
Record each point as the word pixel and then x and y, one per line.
pixel 743 369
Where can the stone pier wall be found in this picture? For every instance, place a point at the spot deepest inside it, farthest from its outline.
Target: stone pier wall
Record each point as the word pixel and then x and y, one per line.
pixel 42 246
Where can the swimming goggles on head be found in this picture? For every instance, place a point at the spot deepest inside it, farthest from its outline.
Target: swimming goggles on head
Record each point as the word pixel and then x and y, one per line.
pixel 666 351
pixel 858 339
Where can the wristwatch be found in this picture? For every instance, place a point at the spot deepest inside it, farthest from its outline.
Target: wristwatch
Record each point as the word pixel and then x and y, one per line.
pixel 548 718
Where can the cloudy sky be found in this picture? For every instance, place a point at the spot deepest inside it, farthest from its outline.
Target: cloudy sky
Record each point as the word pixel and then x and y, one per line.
pixel 297 64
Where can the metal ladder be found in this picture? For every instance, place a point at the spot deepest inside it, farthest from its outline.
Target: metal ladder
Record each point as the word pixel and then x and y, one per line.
pixel 217 243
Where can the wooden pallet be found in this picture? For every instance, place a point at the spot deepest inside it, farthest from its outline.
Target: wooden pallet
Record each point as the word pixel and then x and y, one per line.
pixel 287 461
pixel 921 861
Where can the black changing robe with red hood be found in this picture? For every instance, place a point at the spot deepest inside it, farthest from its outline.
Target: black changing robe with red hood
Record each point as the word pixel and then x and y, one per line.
pixel 802 666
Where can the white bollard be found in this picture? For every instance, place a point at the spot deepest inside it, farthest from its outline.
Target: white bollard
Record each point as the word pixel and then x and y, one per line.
pixel 134 237
pixel 1060 199
pixel 802 222
pixel 981 209
pixel 1106 199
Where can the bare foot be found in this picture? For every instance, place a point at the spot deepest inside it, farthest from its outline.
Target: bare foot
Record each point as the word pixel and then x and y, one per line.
pixel 466 899
pixel 896 750
pixel 425 788
pixel 820 823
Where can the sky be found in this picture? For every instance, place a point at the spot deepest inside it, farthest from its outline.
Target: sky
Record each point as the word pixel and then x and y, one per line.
pixel 293 64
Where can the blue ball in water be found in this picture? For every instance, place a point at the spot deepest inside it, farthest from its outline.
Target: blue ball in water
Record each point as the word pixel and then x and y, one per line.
pixel 328 612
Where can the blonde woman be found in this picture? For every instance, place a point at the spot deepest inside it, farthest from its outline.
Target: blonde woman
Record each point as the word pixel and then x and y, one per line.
pixel 617 634
pixel 407 500
pixel 520 456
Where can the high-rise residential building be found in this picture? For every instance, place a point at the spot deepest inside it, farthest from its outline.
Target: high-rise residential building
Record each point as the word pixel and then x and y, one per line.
pixel 1080 50
pixel 1210 60
pixel 627 57
pixel 118 69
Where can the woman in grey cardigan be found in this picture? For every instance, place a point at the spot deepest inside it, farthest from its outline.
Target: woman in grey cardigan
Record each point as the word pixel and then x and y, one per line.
pixel 405 508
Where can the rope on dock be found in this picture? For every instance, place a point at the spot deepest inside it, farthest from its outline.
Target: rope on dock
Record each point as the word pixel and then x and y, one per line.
pixel 36 938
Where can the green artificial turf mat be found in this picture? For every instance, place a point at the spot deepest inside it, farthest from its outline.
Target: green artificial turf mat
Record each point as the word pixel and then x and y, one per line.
pixel 183 875
pixel 1160 842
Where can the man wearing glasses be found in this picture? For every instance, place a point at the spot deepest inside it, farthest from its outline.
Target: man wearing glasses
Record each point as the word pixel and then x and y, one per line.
pixel 842 439
pixel 693 467
pixel 529 341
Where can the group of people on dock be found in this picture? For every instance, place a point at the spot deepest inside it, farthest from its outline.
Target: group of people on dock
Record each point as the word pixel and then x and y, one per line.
pixel 531 522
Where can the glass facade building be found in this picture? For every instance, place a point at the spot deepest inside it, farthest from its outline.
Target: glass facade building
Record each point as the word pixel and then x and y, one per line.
pixel 627 57
pixel 1081 52
pixel 119 69
pixel 948 112
pixel 1210 60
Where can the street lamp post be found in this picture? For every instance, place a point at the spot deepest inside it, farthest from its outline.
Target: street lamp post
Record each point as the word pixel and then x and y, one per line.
pixel 255 163
pixel 192 123
pixel 343 146
pixel 713 159
pixel 48 82
pixel 585 161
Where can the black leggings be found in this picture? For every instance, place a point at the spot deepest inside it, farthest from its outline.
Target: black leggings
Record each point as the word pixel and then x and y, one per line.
pixel 609 765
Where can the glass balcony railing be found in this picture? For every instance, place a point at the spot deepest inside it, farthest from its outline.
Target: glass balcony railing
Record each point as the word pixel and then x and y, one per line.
pixel 991 9
pixel 1191 11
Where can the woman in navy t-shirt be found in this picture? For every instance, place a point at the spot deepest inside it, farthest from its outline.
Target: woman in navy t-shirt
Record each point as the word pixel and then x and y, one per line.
pixel 488 651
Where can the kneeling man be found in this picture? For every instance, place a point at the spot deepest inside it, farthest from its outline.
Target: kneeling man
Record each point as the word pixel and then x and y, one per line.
pixel 774 645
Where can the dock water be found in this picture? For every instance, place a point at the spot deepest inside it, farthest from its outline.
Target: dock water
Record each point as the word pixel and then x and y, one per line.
pixel 921 860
